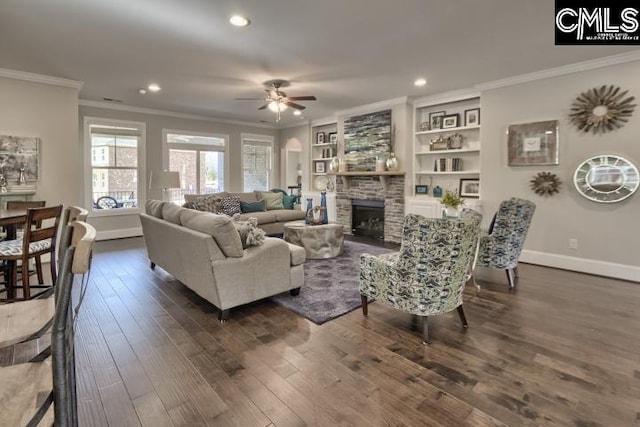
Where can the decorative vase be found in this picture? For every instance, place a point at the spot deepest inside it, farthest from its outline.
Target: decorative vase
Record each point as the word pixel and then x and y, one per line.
pixel 437 191
pixel 323 206
pixel 22 179
pixel 392 162
pixel 307 218
pixel 381 164
pixel 334 165
pixel 450 212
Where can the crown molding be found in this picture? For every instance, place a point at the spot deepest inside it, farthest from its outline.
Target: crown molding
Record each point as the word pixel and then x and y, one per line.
pixel 563 70
pixel 363 109
pixel 443 98
pixel 40 78
pixel 132 109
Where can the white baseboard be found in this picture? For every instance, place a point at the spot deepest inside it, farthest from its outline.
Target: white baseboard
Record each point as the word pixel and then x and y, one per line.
pixel 583 265
pixel 119 234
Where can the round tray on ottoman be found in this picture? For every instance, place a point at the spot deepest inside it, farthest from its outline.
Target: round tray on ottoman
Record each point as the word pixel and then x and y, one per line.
pixel 319 241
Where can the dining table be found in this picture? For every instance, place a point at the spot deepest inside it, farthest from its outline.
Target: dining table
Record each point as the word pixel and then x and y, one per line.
pixel 10 219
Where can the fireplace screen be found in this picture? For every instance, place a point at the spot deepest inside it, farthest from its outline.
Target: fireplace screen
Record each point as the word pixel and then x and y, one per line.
pixel 367 218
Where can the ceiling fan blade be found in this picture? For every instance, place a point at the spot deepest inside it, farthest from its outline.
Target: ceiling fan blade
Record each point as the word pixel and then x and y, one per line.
pixel 302 98
pixel 293 105
pixel 263 107
pixel 249 99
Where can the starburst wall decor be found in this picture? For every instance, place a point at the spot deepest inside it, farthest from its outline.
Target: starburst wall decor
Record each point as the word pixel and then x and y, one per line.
pixel 545 184
pixel 601 109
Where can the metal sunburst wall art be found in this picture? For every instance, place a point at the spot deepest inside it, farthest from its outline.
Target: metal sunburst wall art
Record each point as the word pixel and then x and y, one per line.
pixel 545 184
pixel 602 109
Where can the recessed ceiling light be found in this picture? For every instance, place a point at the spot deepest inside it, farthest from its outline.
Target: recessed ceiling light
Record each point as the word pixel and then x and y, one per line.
pixel 239 21
pixel 297 113
pixel 142 91
pixel 420 82
pixel 153 87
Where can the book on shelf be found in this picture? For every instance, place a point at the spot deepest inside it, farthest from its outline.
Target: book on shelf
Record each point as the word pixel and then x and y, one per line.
pixel 448 164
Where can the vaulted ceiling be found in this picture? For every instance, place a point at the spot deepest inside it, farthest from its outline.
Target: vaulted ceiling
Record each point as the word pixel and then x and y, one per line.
pixel 346 53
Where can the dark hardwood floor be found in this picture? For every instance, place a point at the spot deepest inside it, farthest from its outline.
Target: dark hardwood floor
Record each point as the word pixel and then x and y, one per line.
pixel 562 349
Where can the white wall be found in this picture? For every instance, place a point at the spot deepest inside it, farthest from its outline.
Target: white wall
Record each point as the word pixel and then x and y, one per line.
pixel 155 123
pixel 606 233
pixel 51 113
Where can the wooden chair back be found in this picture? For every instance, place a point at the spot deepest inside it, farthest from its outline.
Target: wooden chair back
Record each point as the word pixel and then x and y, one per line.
pixel 24 205
pixel 33 233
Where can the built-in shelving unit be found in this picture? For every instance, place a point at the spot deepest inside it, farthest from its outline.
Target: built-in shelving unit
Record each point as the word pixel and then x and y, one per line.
pixel 444 157
pixel 323 149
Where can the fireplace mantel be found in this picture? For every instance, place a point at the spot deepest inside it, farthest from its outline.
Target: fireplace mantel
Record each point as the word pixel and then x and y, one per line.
pixel 382 176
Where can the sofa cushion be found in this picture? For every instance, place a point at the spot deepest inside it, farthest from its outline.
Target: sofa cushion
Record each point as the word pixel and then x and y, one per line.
pixel 171 213
pixel 298 254
pixel 250 234
pixel 252 207
pixel 262 217
pixel 286 215
pixel 230 205
pixel 273 201
pixel 248 197
pixel 192 197
pixel 220 227
pixel 154 208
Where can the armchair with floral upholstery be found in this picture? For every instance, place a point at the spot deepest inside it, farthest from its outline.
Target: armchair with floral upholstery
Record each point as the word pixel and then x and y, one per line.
pixel 428 274
pixel 502 245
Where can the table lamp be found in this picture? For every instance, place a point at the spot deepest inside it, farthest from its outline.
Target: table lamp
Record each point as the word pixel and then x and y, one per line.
pixel 164 180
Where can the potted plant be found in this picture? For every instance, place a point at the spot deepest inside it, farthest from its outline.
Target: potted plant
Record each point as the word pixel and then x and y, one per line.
pixel 452 202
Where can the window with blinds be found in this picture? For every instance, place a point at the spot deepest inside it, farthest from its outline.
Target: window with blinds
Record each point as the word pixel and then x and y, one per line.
pixel 115 152
pixel 257 164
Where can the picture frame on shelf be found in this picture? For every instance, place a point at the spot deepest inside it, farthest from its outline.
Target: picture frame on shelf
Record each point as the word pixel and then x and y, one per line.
pixel 320 138
pixel 472 117
pixel 435 119
pixel 469 188
pixel 333 137
pixel 450 121
pixel 422 189
pixel 533 143
pixel 319 167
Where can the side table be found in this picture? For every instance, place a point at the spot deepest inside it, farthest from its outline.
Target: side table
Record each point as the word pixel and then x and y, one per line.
pixel 318 241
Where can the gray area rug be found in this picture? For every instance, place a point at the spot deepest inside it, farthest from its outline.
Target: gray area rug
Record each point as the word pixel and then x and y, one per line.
pixel 330 285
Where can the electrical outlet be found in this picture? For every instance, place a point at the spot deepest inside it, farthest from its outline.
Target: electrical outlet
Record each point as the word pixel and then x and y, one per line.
pixel 573 243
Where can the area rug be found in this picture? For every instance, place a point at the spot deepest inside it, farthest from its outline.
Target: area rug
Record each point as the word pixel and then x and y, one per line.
pixel 330 287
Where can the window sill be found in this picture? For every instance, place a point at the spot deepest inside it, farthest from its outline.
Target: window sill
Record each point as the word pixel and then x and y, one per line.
pixel 98 213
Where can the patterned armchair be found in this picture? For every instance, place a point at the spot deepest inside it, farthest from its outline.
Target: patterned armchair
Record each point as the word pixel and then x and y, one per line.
pixel 501 247
pixel 428 274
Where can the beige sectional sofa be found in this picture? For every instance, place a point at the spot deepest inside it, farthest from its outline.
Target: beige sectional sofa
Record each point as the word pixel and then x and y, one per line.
pixel 271 221
pixel 205 252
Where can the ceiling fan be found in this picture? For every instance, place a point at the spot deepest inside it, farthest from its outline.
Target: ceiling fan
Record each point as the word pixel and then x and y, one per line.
pixel 278 101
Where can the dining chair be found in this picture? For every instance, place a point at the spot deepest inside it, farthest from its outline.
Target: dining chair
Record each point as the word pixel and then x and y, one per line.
pixel 34 243
pixel 24 205
pixel 29 389
pixel 24 321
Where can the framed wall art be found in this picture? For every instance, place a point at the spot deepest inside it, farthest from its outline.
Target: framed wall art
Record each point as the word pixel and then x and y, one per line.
pixel 319 167
pixel 422 189
pixel 367 137
pixel 472 117
pixel 450 121
pixel 320 138
pixel 533 143
pixel 20 153
pixel 469 188
pixel 435 119
pixel 333 137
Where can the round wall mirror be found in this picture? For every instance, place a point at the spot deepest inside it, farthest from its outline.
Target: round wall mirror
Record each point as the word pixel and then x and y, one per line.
pixel 606 178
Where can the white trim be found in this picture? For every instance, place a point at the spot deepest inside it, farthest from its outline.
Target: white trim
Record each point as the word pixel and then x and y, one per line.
pixel 375 106
pixel 130 108
pixel 560 71
pixel 40 78
pixel 120 233
pixel 142 166
pixel 445 97
pixel 583 265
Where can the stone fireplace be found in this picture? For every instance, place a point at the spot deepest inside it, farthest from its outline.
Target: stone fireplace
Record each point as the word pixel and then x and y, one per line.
pixel 387 190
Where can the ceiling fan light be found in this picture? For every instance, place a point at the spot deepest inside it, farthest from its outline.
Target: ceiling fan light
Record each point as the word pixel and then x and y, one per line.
pixel 277 106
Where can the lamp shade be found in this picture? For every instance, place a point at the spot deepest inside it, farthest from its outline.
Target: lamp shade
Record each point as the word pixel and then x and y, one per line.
pixel 164 179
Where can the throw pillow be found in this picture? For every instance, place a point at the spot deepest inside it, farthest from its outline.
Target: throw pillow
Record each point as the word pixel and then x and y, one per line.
pixel 208 204
pixel 246 207
pixel 272 200
pixel 230 205
pixel 288 201
pixel 250 234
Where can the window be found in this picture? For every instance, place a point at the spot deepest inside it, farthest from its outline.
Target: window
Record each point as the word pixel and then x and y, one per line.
pixel 200 160
pixel 257 162
pixel 116 154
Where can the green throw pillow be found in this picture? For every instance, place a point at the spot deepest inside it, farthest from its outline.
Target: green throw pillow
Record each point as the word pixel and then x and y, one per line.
pixel 288 201
pixel 246 207
pixel 272 200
